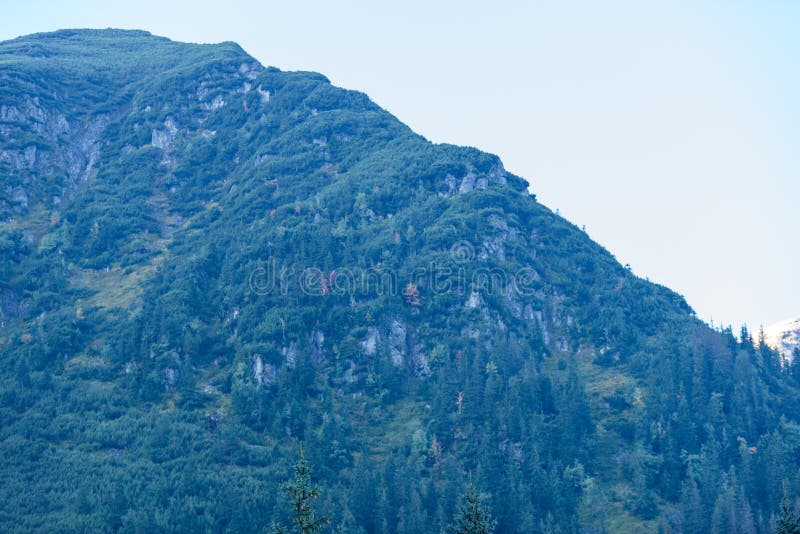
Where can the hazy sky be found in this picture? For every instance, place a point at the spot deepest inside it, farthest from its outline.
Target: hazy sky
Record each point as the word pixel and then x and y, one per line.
pixel 670 129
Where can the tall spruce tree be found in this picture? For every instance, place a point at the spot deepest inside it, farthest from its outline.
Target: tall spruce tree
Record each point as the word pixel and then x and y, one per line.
pixel 302 492
pixel 787 522
pixel 474 516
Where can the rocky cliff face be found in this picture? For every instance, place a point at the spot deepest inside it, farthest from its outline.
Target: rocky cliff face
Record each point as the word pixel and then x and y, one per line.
pixel 57 156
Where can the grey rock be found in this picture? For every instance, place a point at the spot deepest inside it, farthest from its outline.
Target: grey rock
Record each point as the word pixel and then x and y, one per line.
pixel 370 343
pixel 398 347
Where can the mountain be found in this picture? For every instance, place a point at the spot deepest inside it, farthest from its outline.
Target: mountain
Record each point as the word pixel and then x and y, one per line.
pixel 784 336
pixel 206 263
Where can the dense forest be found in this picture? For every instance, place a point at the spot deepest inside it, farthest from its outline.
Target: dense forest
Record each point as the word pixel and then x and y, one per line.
pixel 207 266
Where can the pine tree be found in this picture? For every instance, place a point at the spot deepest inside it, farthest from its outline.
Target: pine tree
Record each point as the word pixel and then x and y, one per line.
pixel 474 517
pixel 301 492
pixel 787 522
pixel 794 364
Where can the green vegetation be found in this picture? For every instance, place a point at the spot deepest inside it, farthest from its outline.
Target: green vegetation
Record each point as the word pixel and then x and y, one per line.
pixel 302 493
pixel 182 304
pixel 787 522
pixel 474 517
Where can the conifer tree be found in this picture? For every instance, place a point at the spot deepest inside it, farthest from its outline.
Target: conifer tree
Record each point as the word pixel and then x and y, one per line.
pixel 787 522
pixel 301 492
pixel 474 516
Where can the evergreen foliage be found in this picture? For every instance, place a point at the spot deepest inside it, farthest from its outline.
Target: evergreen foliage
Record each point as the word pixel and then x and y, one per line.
pixel 474 516
pixel 302 493
pixel 787 522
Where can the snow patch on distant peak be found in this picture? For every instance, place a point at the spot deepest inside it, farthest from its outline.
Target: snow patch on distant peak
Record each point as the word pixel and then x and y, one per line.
pixel 784 336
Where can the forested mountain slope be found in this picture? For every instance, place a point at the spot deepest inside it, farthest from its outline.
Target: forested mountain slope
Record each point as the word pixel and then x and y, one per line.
pixel 204 262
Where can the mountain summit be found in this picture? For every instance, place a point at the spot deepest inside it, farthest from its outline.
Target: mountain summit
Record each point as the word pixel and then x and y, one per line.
pixel 205 263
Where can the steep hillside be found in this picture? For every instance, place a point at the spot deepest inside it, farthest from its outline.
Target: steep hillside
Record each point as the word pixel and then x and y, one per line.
pixel 206 262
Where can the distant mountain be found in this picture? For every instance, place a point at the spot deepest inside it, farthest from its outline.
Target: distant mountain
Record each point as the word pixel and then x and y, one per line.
pixel 784 336
pixel 205 263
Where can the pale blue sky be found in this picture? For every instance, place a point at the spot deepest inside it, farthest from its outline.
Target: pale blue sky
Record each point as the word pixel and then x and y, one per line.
pixel 670 129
